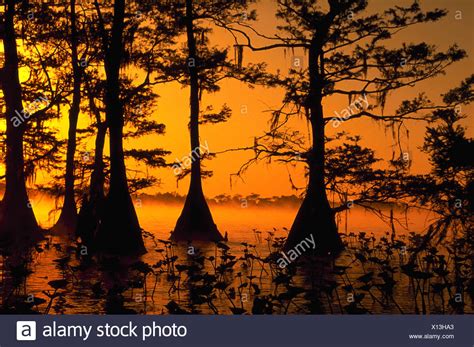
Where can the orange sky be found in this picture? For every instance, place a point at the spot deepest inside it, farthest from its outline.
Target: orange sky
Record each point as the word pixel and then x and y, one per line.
pixel 240 130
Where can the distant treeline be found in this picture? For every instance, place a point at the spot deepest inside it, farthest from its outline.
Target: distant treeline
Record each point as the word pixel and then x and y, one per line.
pixel 252 200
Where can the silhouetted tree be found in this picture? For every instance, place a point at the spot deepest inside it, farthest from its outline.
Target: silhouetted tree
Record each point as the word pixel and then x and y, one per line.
pixel 93 196
pixel 129 40
pixel 119 230
pixel 448 190
pixel 26 113
pixel 67 221
pixel 204 67
pixel 347 54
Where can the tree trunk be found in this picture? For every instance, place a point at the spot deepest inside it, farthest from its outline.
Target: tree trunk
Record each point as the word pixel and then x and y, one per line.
pixel 315 216
pixel 18 224
pixel 195 221
pixel 93 203
pixel 119 231
pixel 67 221
pixel 98 175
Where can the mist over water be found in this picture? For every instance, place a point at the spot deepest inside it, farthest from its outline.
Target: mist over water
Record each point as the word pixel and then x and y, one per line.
pixel 160 218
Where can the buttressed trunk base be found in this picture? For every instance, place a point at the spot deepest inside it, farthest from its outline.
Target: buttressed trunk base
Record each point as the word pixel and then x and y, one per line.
pixel 119 231
pixel 316 218
pixel 67 222
pixel 18 226
pixel 195 222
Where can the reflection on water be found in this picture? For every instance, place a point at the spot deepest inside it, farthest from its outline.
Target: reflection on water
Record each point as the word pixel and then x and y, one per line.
pixel 203 278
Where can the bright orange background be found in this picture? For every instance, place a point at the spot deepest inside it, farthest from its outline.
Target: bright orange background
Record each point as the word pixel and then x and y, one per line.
pixel 272 179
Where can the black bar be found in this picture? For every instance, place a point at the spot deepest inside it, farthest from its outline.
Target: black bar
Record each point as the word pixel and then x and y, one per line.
pixel 291 331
